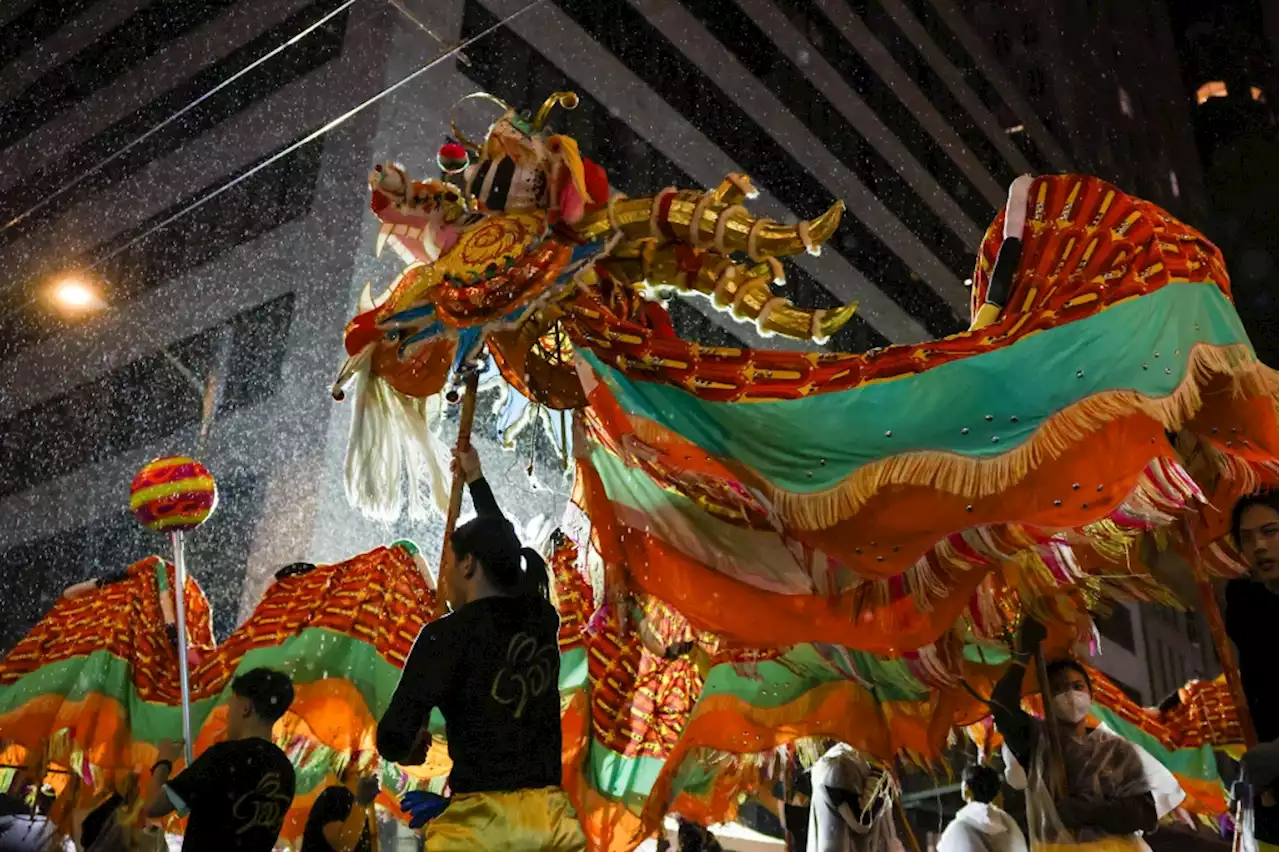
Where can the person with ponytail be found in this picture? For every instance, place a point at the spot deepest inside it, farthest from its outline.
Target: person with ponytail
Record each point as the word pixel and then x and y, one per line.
pixel 492 669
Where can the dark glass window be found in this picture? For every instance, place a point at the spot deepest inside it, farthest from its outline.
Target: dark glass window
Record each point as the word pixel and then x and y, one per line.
pixel 36 22
pixel 1118 628
pixel 143 401
pixel 960 58
pixel 108 57
pixel 1128 690
pixel 753 48
pixel 908 56
pixel 318 48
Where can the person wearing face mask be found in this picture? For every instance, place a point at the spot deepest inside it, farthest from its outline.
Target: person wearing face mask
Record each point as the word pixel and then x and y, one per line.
pixel 1107 796
pixel 492 668
pixel 1253 621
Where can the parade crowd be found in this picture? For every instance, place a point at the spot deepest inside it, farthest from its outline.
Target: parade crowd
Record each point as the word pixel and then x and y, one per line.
pixel 490 667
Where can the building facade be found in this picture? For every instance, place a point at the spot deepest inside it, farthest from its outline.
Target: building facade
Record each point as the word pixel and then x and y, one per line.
pixel 218 252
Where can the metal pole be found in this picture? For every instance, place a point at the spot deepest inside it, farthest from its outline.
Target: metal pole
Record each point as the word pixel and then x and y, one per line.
pixel 180 605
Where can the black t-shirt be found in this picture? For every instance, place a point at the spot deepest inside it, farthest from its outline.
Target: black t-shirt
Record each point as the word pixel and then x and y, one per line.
pixel 333 805
pixel 493 669
pixel 1253 620
pixel 237 794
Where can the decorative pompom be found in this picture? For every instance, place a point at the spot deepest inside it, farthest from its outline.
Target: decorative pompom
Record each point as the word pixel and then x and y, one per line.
pixel 452 158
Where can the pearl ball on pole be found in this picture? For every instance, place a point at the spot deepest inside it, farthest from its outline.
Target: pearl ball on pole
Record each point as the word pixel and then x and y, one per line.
pixel 176 494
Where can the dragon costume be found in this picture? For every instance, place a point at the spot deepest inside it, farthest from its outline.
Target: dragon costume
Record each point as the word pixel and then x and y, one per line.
pixel 794 544
pixel 656 719
pixel 898 502
pixel 738 485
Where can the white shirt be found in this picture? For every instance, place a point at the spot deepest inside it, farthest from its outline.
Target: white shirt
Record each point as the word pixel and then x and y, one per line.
pixel 980 827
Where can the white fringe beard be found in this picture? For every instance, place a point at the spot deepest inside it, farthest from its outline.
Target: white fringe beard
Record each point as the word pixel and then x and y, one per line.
pixel 391 441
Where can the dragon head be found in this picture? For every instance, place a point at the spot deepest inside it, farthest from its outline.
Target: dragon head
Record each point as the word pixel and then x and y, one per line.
pixel 520 166
pixel 420 219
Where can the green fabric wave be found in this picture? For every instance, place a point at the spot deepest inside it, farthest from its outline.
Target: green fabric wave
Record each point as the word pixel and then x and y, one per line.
pixel 774 683
pixel 980 406
pixel 1196 763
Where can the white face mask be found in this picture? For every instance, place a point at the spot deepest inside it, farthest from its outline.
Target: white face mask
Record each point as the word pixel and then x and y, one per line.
pixel 1072 706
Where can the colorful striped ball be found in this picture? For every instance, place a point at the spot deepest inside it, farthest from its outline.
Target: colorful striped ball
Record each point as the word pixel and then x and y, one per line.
pixel 173 493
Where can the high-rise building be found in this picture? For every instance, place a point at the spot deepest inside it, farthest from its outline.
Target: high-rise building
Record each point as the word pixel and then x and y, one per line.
pixel 1228 53
pixel 224 239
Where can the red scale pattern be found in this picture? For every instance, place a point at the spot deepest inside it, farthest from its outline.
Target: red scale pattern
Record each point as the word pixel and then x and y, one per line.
pixel 124 619
pixel 378 597
pixel 1090 246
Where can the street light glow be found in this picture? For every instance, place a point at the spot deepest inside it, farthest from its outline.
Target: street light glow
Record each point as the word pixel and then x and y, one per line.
pixel 74 294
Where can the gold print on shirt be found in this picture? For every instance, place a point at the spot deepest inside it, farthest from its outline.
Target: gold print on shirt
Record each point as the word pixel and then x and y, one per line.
pixel 264 807
pixel 528 672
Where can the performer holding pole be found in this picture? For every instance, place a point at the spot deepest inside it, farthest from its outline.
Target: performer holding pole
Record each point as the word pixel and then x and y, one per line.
pixel 492 667
pixel 176 494
pixel 1106 794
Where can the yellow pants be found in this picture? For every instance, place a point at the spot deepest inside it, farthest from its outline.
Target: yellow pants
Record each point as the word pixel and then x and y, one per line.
pixel 526 820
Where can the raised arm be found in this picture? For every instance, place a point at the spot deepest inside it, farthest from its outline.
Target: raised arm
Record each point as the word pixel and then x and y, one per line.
pixel 468 462
pixel 1011 720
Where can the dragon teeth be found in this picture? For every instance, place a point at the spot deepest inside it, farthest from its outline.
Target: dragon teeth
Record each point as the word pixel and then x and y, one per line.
pixel 383 233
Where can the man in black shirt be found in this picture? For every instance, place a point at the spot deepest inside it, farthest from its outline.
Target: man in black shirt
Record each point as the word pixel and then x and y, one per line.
pixel 492 667
pixel 237 792
pixel 1253 623
pixel 338 821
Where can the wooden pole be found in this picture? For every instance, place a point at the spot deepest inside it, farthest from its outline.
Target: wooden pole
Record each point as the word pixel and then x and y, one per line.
pixel 1057 779
pixel 468 416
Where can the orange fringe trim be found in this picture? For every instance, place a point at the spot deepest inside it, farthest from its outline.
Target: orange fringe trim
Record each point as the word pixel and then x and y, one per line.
pixel 961 475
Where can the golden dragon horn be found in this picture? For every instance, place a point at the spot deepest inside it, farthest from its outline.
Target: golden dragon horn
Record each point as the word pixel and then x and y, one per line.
pixel 453 120
pixel 742 290
pixel 565 100
pixel 709 220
